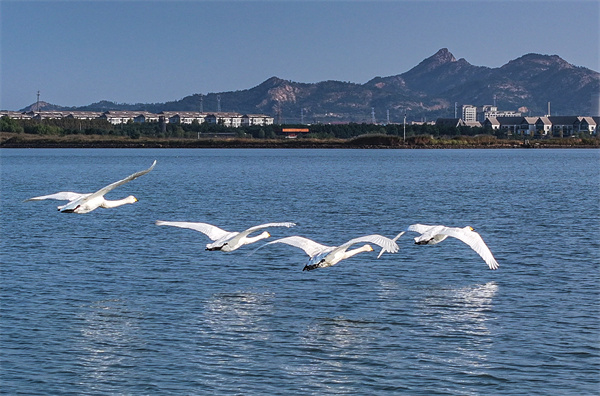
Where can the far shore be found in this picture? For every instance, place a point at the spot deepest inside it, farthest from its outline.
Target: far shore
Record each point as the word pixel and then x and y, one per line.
pixel 12 140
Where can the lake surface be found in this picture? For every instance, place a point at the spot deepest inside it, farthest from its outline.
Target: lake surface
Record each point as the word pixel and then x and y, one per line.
pixel 110 303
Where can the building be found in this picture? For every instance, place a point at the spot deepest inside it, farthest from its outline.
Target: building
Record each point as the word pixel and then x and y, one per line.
pixel 469 113
pixel 226 119
pixel 118 117
pixel 183 117
pixel 550 126
pixel 256 119
pixel 292 133
pixel 83 115
pixel 15 115
pixel 488 111
pixel 146 117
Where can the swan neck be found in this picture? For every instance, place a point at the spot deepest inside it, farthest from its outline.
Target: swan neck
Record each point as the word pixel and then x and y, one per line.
pixel 257 238
pixel 119 202
pixel 365 248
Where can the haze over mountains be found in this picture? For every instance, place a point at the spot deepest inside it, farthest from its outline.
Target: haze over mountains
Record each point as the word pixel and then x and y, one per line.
pixel 427 91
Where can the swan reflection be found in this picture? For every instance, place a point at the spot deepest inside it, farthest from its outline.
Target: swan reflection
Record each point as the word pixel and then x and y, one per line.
pixel 465 308
pixel 108 331
pixel 457 322
pixel 241 313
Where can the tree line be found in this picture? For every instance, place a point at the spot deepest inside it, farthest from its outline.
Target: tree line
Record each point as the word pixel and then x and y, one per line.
pixel 71 126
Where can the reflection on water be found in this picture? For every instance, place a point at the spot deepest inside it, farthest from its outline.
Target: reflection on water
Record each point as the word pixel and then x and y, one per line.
pixel 109 329
pixel 461 316
pixel 242 312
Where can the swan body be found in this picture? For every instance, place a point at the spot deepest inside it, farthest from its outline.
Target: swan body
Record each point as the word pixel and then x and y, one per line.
pixel 432 235
pixel 322 256
pixel 85 203
pixel 225 240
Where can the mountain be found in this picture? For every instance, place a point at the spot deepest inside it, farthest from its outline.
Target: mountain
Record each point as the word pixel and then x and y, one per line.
pixel 427 91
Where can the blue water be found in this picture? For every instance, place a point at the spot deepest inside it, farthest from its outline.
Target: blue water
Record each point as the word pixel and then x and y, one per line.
pixel 109 303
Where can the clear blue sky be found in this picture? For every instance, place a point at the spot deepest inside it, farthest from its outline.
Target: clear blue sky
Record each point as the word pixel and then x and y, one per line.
pixel 79 52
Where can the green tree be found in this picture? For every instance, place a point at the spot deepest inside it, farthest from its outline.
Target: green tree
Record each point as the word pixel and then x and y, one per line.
pixel 7 124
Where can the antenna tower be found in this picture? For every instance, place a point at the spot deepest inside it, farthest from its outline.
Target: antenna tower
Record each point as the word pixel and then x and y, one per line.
pixel 372 115
pixel 37 104
pixel 201 104
pixel 218 103
pixel 388 116
pixel 302 116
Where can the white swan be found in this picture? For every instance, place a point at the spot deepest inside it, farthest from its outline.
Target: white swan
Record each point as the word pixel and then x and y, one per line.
pixel 322 256
pixel 224 240
pixel 84 203
pixel 432 235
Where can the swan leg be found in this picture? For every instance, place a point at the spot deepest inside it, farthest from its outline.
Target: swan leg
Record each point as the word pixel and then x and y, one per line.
pixel 214 248
pixel 422 242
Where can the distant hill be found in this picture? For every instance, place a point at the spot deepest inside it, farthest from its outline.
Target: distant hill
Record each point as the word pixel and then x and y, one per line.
pixel 427 91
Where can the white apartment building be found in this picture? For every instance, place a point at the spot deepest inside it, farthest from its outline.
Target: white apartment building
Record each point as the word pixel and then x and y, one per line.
pixel 469 113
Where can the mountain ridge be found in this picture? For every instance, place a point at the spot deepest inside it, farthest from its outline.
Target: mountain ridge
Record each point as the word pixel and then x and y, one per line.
pixel 427 91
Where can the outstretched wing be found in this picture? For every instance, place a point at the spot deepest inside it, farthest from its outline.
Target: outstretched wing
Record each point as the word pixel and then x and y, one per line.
pixel 383 250
pixel 116 184
pixel 59 196
pixel 386 243
pixel 475 241
pixel 262 226
pixel 310 247
pixel 211 231
pixel 420 228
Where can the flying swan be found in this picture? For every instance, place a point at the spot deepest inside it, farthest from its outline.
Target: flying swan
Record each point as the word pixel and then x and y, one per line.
pixel 85 203
pixel 322 256
pixel 225 240
pixel 432 235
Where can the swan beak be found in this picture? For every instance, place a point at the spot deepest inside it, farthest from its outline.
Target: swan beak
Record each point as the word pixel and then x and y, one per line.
pixel 136 200
pixel 370 249
pixel 471 228
pixel 268 235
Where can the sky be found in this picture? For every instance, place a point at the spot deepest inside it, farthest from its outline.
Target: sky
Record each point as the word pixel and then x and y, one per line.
pixel 77 52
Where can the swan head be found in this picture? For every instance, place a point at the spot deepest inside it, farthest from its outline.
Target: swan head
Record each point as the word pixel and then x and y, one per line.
pixel 263 235
pixel 131 199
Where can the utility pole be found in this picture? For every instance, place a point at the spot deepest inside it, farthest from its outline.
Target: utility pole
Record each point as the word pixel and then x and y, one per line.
pixel 404 127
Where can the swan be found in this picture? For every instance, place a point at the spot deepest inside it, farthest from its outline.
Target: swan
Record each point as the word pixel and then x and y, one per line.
pixel 85 203
pixel 434 234
pixel 322 256
pixel 225 240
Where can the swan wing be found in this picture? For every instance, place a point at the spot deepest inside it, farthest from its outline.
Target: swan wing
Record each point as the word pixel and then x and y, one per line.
pixel 60 196
pixel 421 228
pixel 262 226
pixel 309 246
pixel 383 250
pixel 475 241
pixel 386 243
pixel 116 184
pixel 211 231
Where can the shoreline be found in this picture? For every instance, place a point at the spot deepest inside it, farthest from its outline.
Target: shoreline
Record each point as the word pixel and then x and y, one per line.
pixel 12 140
